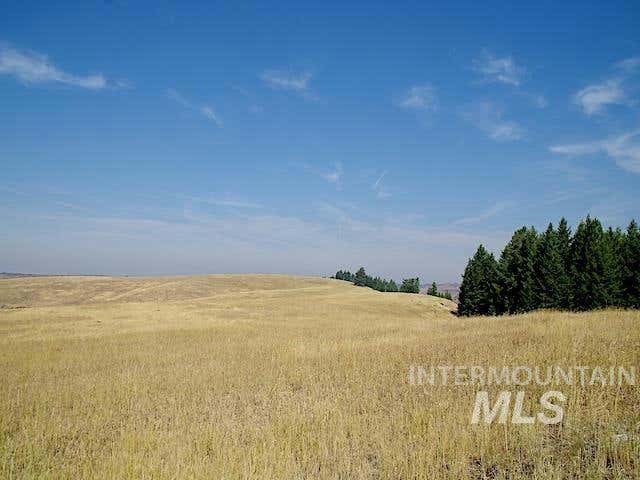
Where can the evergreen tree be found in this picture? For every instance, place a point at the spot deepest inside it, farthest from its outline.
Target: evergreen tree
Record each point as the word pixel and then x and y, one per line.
pixel 479 288
pixel 433 289
pixel 360 278
pixel 549 270
pixel 631 267
pixel 588 266
pixel 344 275
pixel 368 281
pixel 613 258
pixel 517 277
pixel 410 285
pixel 564 248
pixel 591 269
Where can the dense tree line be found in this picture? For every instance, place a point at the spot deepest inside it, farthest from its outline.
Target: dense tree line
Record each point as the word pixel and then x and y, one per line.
pixel 433 290
pixel 361 279
pixel 589 269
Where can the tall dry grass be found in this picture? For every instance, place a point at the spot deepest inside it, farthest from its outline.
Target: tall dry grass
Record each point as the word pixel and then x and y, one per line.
pixel 280 377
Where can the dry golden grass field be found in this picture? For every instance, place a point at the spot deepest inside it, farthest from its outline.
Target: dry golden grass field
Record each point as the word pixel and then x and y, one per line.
pixel 275 377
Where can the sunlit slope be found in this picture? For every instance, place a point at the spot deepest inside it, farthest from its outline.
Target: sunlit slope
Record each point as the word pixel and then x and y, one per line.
pixel 73 290
pixel 80 306
pixel 269 377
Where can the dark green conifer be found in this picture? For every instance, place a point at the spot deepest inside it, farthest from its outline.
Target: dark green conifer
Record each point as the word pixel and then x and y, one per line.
pixel 479 288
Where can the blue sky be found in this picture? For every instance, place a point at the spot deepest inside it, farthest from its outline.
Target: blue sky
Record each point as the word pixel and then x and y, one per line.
pixel 173 137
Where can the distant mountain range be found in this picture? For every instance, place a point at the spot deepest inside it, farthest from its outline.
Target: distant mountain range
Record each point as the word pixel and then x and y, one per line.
pixel 452 288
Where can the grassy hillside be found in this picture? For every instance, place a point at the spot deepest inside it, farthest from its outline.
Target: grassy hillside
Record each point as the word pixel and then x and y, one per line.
pixel 283 377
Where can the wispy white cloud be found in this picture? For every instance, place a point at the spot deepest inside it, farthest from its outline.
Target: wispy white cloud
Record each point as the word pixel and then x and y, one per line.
pixel 490 212
pixel 593 99
pixel 334 176
pixel 231 202
pixel 629 64
pixel 615 208
pixel 623 149
pixel 576 149
pixel 254 240
pixel 205 110
pixel 419 97
pixel 124 84
pixel 71 206
pixel 32 68
pixel 210 114
pixel 220 200
pixel 489 118
pixel 282 80
pixel 537 100
pixel 566 167
pixel 505 70
pixel 495 69
pixel 615 90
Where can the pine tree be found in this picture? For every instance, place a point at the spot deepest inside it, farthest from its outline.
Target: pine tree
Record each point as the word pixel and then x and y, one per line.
pixel 564 239
pixel 410 285
pixel 631 267
pixel 564 248
pixel 517 277
pixel 591 269
pixel 433 289
pixel 588 266
pixel 549 270
pixel 613 258
pixel 360 278
pixel 479 288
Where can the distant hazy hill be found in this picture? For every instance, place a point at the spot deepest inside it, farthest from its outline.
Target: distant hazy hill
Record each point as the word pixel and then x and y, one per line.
pixel 452 288
pixel 18 275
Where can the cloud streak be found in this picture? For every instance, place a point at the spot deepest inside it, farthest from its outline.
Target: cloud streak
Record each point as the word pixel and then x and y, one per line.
pixel 333 176
pixel 490 212
pixel 593 99
pixel 228 201
pixel 378 187
pixel 500 70
pixel 246 241
pixel 293 82
pixel 419 97
pixel 205 110
pixel 34 68
pixel 489 119
pixel 629 64
pixel 623 149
